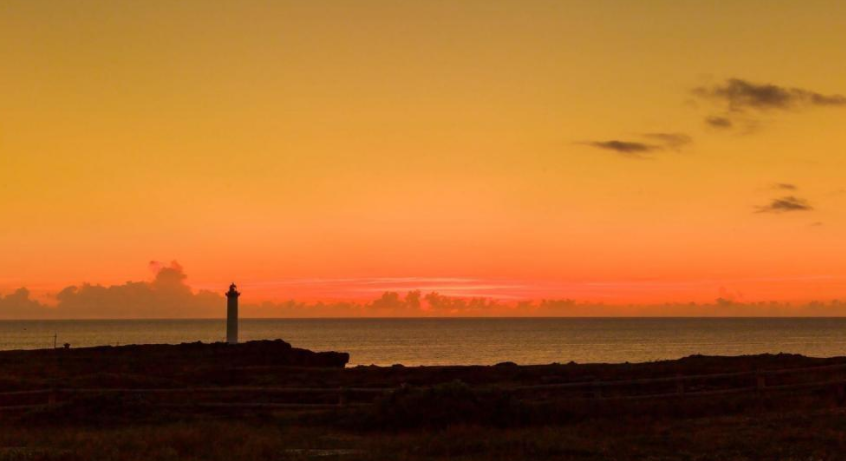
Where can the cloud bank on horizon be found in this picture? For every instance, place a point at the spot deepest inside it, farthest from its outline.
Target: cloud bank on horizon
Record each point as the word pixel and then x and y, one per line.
pixel 169 296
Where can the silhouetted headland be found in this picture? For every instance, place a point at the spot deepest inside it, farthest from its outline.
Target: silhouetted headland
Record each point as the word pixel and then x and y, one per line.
pixel 161 357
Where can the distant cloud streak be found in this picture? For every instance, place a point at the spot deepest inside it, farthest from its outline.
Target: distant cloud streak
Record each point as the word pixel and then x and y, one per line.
pixel 639 149
pixel 670 140
pixel 628 148
pixel 168 296
pixel 722 123
pixel 786 204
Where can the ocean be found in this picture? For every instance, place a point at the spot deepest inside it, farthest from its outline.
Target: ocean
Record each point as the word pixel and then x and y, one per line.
pixel 465 341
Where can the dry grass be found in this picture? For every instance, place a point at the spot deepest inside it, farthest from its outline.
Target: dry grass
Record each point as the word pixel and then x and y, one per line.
pixel 456 413
pixel 772 436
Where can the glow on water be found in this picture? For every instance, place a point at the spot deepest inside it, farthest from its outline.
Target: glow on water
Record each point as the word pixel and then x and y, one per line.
pixel 467 341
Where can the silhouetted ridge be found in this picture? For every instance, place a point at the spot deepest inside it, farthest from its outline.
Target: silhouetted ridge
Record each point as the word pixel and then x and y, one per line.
pixel 164 356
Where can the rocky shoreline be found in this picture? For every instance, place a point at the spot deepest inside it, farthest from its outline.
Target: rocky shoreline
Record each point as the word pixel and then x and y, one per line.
pixel 163 357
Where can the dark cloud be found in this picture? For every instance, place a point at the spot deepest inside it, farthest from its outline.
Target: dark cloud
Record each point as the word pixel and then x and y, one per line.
pixel 739 95
pixel 670 140
pixel 785 186
pixel 166 296
pixel 786 204
pixel 723 123
pixel 438 304
pixel 19 305
pixel 638 149
pixel 630 148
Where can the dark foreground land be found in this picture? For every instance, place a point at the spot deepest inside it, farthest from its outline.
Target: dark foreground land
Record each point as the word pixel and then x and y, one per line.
pixel 268 401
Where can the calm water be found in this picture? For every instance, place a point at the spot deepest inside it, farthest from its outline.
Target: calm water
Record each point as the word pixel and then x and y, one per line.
pixel 467 341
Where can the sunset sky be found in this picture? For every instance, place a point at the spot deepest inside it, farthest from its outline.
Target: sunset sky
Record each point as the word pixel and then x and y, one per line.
pixel 625 152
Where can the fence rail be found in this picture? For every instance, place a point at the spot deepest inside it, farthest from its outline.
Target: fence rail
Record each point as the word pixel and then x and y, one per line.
pixel 594 390
pixel 222 390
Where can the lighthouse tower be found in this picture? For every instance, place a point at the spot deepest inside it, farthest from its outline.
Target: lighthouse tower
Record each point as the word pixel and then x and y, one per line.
pixel 232 314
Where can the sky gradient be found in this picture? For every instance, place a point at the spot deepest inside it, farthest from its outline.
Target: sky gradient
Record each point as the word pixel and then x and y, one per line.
pixel 606 151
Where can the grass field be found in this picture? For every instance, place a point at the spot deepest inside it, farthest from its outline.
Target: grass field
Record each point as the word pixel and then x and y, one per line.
pixel 114 406
pixel 817 435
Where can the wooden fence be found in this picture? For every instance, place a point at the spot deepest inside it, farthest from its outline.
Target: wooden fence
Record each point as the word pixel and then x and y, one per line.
pixel 681 386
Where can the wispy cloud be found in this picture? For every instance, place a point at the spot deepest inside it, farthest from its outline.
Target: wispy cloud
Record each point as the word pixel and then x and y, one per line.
pixel 739 95
pixel 723 123
pixel 785 186
pixel 626 148
pixel 640 149
pixel 742 102
pixel 168 296
pixel 670 140
pixel 785 204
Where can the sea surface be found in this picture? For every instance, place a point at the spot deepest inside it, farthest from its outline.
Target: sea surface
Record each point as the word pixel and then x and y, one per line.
pixel 467 341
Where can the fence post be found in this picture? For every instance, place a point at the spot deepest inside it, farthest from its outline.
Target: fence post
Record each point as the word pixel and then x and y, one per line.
pixel 342 397
pixel 51 397
pixel 679 385
pixel 760 381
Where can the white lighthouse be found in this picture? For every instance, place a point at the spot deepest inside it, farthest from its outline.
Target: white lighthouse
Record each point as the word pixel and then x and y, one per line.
pixel 232 314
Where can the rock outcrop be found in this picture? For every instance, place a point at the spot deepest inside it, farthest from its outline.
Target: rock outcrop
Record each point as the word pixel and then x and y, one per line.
pixel 151 357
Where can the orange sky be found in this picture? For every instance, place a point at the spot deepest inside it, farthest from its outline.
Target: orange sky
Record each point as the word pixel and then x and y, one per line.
pixel 323 150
